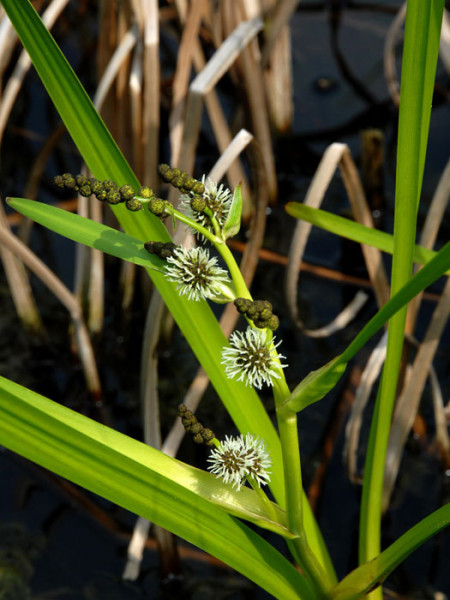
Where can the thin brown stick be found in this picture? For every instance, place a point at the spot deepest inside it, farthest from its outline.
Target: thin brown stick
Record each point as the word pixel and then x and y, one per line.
pixel 66 297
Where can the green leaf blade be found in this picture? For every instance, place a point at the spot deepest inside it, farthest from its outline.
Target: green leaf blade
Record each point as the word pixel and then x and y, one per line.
pixel 140 479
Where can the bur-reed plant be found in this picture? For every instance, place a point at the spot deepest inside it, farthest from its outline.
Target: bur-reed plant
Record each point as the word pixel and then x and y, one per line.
pixel 208 508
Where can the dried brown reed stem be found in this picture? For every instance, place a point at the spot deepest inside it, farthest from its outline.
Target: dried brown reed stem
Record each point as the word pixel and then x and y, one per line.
pixel 369 376
pixel 389 55
pixel 19 284
pixel 248 70
pixel 204 83
pixel 409 399
pixel 151 71
pixel 408 402
pixel 217 118
pixel 66 297
pixel 276 62
pixel 336 155
pixel 22 67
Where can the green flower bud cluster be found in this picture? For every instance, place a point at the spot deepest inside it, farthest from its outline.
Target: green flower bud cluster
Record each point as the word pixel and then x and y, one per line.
pixel 181 180
pixel 105 191
pixel 200 434
pixel 259 311
pixel 161 249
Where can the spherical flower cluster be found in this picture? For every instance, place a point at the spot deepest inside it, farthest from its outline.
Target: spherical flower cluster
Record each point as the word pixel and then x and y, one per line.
pixel 252 358
pixel 218 200
pixel 198 276
pixel 240 458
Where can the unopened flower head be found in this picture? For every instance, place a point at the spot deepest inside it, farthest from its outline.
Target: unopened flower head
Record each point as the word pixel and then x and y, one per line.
pixel 252 358
pixel 218 200
pixel 198 275
pixel 241 457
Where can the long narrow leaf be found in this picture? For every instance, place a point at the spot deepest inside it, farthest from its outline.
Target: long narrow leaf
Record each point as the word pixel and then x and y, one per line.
pixel 140 479
pixel 420 52
pixel 353 231
pixel 369 575
pixel 318 383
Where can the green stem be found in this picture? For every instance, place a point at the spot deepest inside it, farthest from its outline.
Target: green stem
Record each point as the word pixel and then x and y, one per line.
pixel 288 429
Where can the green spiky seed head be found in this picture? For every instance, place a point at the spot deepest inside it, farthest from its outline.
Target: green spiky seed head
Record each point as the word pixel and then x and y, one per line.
pixel 127 192
pixel 273 323
pixel 198 203
pixel 113 196
pixel 85 190
pixel 134 204
pixel 145 192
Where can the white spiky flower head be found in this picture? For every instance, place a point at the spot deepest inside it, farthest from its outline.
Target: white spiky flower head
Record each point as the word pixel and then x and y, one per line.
pixel 218 200
pixel 198 275
pixel 240 458
pixel 252 358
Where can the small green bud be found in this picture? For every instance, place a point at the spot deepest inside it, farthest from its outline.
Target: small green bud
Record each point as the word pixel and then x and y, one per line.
pixel 198 187
pixel 196 428
pixel 273 323
pixel 145 192
pixel 85 190
pixel 265 314
pixel 69 181
pixel 198 203
pixel 134 204
pixel 156 206
pixel 96 185
pixel 198 439
pixel 208 435
pixel 165 172
pixel 59 181
pixel 113 196
pixel 260 323
pixel 161 249
pixel 109 184
pixel 252 311
pixel 242 304
pixel 180 179
pixel 127 192
pixel 259 305
pixel 167 250
pixel 81 180
pixel 101 195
